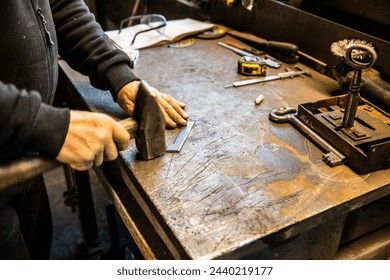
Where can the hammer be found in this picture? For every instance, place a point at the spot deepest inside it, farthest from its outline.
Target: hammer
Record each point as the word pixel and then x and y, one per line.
pixel 147 127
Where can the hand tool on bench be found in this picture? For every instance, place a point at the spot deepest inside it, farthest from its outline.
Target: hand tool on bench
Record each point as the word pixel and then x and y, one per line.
pixel 251 66
pixel 269 62
pixel 236 50
pixel 279 76
pixel 284 51
pixel 332 156
pixel 253 51
pixel 147 127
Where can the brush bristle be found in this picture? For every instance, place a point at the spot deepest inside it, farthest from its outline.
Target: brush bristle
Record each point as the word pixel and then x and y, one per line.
pixel 338 48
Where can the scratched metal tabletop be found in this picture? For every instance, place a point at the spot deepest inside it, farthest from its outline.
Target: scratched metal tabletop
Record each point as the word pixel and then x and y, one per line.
pixel 239 177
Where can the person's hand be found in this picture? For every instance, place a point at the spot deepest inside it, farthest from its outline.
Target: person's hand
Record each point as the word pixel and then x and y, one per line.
pixel 172 109
pixel 92 138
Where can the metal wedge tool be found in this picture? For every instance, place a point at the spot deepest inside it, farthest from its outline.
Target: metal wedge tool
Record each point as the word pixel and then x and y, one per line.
pixel 176 146
pixel 150 137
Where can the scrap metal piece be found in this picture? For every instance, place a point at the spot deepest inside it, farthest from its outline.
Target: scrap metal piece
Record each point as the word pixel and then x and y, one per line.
pixel 176 146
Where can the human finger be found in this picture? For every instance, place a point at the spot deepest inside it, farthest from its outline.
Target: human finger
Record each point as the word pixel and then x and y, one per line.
pixel 127 105
pixel 82 166
pixel 110 152
pixel 181 104
pixel 98 159
pixel 176 105
pixel 168 121
pixel 120 136
pixel 172 114
pixel 127 95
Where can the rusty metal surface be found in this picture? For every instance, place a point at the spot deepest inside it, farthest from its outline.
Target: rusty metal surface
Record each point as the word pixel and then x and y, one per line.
pixel 239 178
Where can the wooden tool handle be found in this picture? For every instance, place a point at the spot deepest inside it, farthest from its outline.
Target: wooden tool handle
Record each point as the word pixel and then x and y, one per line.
pixel 131 126
pixel 24 169
pixel 21 170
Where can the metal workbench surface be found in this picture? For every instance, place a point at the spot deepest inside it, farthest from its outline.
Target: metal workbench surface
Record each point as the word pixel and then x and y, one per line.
pixel 241 184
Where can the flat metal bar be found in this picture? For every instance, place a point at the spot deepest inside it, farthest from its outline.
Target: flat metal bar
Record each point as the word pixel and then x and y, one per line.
pixel 176 146
pixel 236 50
pixel 279 76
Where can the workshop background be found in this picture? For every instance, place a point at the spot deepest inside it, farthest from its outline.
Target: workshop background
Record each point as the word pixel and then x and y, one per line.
pixel 114 241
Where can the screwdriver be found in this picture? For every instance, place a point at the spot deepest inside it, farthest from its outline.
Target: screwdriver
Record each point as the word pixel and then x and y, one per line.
pixel 282 50
pixel 243 52
pixel 249 50
pixel 282 47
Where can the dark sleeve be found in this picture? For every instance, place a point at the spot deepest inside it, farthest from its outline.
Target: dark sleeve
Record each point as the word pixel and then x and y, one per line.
pixel 86 48
pixel 26 123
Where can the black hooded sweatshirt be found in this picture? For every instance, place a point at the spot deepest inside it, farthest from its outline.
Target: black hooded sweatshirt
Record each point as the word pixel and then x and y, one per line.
pixel 33 33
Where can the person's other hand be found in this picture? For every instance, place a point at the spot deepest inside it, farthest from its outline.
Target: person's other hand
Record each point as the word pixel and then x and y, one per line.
pixel 92 138
pixel 172 109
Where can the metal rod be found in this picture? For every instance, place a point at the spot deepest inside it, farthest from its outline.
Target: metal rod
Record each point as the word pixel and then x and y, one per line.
pixel 236 50
pixel 290 74
pixel 352 100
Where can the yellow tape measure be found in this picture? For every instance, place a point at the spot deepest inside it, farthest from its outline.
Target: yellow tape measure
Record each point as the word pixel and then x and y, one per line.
pixel 231 3
pixel 252 66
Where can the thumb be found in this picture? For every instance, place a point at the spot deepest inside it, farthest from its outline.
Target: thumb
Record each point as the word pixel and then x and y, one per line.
pixel 127 95
pixel 120 136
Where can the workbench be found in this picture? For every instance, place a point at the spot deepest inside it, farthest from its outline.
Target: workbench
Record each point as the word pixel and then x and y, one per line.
pixel 242 187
